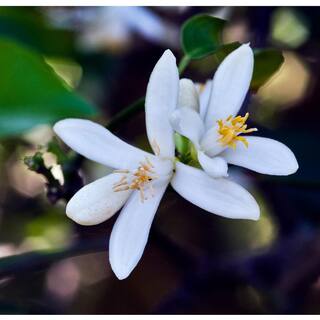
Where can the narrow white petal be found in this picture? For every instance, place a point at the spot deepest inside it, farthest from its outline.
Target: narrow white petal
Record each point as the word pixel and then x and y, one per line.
pixel 161 100
pixel 210 142
pixel 162 167
pixel 230 85
pixel 97 201
pixel 188 123
pixel 98 144
pixel 130 233
pixel 263 155
pixel 204 92
pixel 219 196
pixel 188 95
pixel 215 167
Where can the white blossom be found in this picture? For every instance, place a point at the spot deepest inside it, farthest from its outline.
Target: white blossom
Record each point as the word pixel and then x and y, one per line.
pixel 141 178
pixel 210 121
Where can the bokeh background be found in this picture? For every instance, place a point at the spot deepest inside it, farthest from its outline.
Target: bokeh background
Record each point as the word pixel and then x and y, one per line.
pixel 195 262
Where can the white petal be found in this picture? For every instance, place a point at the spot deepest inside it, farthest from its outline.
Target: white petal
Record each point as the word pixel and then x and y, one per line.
pixel 98 144
pixel 188 123
pixel 130 233
pixel 163 168
pixel 230 85
pixel 210 142
pixel 219 196
pixel 97 201
pixel 263 155
pixel 204 92
pixel 161 100
pixel 188 95
pixel 215 167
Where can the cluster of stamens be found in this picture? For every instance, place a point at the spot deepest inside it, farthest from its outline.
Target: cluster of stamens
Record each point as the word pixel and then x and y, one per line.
pixel 141 178
pixel 231 128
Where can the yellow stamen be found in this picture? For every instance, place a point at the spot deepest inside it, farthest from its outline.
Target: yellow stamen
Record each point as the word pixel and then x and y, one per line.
pixel 142 177
pixel 231 128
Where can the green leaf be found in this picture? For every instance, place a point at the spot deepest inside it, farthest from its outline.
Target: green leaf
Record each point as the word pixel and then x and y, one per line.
pixel 226 49
pixel 29 27
pixel 266 63
pixel 201 35
pixel 31 93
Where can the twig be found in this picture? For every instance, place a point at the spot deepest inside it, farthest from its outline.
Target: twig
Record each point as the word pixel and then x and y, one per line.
pixel 22 263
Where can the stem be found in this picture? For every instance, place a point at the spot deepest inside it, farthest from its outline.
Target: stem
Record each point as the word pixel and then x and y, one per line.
pixel 126 113
pixel 23 263
pixel 183 64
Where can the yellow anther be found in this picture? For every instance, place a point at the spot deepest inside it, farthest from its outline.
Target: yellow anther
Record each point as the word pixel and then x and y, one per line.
pixel 141 177
pixel 231 128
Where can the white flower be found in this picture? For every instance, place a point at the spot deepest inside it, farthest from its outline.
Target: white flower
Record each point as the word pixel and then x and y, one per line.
pixel 141 178
pixel 210 122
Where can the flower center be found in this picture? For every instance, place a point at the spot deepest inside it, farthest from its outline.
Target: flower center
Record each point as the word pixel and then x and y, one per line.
pixel 231 128
pixel 137 179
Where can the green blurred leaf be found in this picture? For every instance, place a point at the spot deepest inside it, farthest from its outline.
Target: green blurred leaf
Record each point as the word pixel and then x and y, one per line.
pixel 50 230
pixel 27 26
pixel 226 49
pixel 289 27
pixel 31 93
pixel 201 35
pixel 266 63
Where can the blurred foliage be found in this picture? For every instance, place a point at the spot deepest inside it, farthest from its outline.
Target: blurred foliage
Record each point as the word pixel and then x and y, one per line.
pixel 67 69
pixel 289 27
pixel 201 35
pixel 266 64
pixel 29 27
pixel 34 94
pixel 55 234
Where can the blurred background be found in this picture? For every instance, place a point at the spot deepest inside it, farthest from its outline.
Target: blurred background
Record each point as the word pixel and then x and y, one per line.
pixel 195 262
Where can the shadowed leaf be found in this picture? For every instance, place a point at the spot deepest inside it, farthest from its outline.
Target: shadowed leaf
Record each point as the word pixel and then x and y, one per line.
pixel 31 93
pixel 201 35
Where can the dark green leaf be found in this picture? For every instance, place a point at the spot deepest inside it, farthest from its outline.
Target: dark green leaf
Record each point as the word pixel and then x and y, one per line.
pixel 27 26
pixel 226 49
pixel 266 63
pixel 31 93
pixel 201 35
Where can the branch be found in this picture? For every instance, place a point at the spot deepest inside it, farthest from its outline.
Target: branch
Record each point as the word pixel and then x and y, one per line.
pixel 24 263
